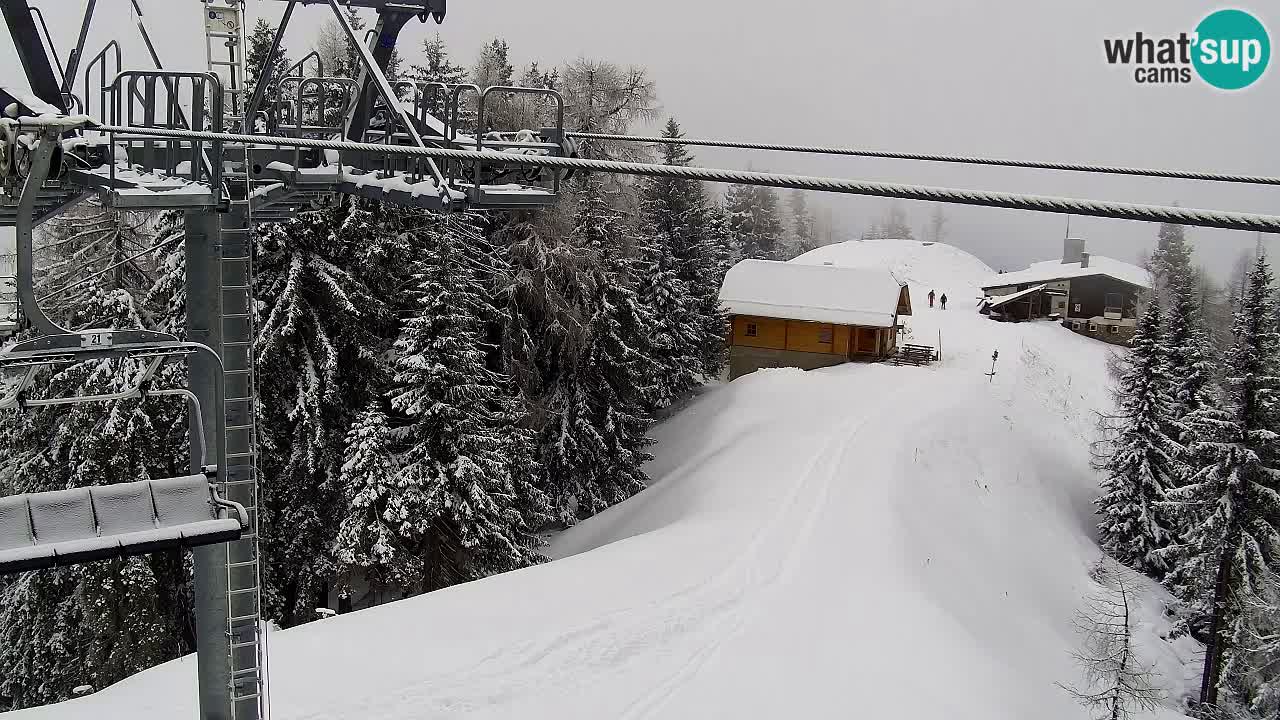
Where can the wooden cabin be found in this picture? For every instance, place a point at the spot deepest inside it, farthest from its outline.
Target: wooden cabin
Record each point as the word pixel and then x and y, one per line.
pixel 810 316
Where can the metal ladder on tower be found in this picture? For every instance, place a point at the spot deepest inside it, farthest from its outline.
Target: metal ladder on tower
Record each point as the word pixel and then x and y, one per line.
pixel 225 44
pixel 243 557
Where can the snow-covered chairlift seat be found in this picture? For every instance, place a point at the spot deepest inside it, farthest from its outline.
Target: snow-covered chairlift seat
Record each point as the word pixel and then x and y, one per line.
pixel 64 527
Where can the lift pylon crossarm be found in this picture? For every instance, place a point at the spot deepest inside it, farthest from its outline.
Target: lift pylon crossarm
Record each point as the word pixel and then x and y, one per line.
pixel 67 527
pixel 31 51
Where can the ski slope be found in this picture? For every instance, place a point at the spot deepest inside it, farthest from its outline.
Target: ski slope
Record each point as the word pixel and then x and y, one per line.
pixel 859 541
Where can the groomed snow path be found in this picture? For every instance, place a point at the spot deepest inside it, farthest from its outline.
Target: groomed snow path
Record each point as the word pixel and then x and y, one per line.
pixel 862 541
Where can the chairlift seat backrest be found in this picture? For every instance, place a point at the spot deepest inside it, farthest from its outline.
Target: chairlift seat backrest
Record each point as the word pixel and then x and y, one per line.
pixel 124 508
pixel 15 523
pixel 62 515
pixel 64 520
pixel 183 500
pixel 65 527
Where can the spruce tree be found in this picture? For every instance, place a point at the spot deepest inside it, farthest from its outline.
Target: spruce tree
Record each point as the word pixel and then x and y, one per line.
pixel 375 539
pixel 468 456
pixel 1171 260
pixel 1135 527
pixel 688 234
pixel 437 66
pixel 493 67
pixel 754 221
pixel 320 359
pixel 1232 549
pixel 256 58
pixel 803 233
pixel 594 443
pixel 674 333
pixel 1189 350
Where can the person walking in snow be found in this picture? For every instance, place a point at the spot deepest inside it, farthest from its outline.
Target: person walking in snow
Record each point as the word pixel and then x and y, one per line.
pixel 930 298
pixel 944 301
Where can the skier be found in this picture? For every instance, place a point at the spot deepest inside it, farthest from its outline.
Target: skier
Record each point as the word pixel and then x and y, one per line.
pixel 930 298
pixel 944 301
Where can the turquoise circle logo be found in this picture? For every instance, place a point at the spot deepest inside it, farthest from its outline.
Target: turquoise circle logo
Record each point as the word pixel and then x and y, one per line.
pixel 1232 49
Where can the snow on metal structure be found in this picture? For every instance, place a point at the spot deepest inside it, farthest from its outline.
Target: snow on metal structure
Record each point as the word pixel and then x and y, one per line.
pixel 66 527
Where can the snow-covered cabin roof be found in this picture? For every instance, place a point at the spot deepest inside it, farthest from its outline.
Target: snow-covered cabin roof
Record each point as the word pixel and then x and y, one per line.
pixel 817 293
pixel 1051 270
pixel 997 302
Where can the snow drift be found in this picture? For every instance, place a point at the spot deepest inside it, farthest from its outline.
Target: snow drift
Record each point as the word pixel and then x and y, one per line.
pixel 863 540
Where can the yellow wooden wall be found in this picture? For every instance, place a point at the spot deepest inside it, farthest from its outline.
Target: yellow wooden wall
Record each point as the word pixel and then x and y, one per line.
pixel 770 332
pixel 794 335
pixel 810 337
pixel 800 336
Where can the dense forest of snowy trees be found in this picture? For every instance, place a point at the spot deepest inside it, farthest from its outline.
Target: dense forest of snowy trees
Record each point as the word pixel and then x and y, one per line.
pixel 1191 494
pixel 436 393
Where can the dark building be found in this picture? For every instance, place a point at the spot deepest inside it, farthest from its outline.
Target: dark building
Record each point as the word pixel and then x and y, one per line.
pixel 1090 294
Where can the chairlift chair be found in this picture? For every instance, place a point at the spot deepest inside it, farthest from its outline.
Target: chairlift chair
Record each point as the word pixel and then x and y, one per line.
pixel 77 525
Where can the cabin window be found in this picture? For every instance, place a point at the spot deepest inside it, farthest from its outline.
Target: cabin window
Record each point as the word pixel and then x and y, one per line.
pixel 1115 329
pixel 751 329
pixel 1093 328
pixel 1075 325
pixel 824 335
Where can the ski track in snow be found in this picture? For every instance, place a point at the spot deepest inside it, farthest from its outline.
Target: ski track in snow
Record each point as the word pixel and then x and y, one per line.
pixel 703 615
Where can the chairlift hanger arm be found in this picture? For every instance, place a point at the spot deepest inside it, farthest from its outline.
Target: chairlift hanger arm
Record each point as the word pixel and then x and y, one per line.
pixel 73 60
pixel 383 40
pixel 31 52
pixel 25 227
pixel 268 67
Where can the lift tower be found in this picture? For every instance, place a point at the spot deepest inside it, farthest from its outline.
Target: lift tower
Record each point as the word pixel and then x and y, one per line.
pixel 50 159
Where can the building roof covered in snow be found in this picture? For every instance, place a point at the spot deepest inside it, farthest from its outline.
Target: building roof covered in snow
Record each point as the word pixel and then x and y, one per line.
pixel 866 297
pixel 1052 270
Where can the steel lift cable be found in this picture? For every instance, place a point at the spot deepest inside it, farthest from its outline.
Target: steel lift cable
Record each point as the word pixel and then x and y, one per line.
pixel 960 159
pixel 1015 201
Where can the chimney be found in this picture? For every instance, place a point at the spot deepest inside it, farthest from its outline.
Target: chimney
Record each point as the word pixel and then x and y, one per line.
pixel 1072 249
pixel 1084 260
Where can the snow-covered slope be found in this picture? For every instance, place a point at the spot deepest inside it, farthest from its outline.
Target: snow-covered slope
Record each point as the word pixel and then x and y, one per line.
pixel 859 541
pixel 925 266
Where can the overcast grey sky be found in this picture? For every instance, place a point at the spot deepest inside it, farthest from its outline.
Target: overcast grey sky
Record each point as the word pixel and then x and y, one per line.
pixel 1007 78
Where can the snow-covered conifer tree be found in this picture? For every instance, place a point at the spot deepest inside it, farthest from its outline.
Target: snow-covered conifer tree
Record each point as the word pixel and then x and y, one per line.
pixel 687 237
pixel 375 539
pixel 468 456
pixel 437 65
pixel 803 234
pixel 1232 547
pixel 259 46
pixel 754 221
pixel 319 361
pixel 594 440
pixel 1135 525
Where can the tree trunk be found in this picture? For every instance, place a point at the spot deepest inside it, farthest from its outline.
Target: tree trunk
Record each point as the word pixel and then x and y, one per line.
pixel 1213 652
